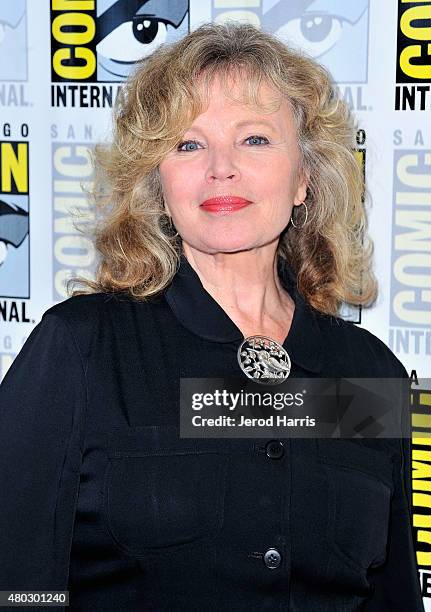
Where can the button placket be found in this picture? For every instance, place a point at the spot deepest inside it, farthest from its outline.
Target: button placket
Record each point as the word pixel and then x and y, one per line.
pixel 275 450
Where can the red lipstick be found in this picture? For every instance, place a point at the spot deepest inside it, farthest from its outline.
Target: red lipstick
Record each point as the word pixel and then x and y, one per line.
pixel 224 203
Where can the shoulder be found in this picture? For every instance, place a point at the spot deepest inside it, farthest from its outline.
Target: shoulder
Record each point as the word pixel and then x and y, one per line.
pixel 84 308
pixel 82 315
pixel 73 320
pixel 77 304
pixel 77 312
pixel 80 307
pixel 349 342
pixel 86 314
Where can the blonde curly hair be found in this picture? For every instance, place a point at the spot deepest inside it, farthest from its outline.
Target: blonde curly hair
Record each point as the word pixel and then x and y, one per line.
pixel 138 253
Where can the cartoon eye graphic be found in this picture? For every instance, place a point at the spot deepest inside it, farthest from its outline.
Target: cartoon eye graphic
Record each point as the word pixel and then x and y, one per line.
pixel 315 33
pixel 133 40
pixel 145 30
pixel 14 226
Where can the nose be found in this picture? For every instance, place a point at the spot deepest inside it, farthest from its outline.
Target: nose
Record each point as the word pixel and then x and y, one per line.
pixel 222 165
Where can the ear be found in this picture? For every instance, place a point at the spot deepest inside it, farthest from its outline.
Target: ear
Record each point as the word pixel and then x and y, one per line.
pixel 301 191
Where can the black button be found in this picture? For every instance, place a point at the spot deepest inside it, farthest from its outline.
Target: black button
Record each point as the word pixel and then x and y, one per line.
pixel 274 449
pixel 272 558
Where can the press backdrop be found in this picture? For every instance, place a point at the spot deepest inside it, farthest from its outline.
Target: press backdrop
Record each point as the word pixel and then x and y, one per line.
pixel 61 66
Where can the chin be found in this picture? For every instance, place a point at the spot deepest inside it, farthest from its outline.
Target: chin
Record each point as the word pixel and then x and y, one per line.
pixel 228 249
pixel 225 244
pixel 218 242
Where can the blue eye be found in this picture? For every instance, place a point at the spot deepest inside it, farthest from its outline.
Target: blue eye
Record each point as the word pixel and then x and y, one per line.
pixel 256 140
pixel 193 145
pixel 185 146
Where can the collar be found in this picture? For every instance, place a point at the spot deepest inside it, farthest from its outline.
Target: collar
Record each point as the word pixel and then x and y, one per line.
pixel 199 312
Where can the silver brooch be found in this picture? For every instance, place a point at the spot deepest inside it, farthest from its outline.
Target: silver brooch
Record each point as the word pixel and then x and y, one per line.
pixel 264 360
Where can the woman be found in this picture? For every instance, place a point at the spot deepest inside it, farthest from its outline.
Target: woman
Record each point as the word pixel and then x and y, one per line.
pixel 231 157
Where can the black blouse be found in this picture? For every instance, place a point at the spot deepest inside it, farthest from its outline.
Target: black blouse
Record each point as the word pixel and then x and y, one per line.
pixel 102 497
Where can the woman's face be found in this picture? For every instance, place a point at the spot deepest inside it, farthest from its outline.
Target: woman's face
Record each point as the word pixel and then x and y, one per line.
pixel 232 150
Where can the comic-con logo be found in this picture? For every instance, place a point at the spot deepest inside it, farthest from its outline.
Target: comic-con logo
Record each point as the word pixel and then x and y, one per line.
pixel 334 32
pixel 413 72
pixel 410 316
pixel 100 41
pixel 73 250
pixel 14 220
pixel 420 403
pixel 13 41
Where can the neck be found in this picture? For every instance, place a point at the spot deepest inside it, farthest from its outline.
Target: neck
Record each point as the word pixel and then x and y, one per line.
pixel 246 285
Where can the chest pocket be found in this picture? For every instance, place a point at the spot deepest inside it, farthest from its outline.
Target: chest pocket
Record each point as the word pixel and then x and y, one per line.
pixel 360 487
pixel 162 492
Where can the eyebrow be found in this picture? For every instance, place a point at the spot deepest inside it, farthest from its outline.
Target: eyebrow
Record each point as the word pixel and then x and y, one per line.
pixel 244 123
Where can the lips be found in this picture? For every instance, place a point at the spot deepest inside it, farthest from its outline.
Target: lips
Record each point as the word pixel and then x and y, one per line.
pixel 224 203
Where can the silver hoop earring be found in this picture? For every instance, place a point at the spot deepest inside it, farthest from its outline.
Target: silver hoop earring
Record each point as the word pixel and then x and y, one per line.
pixel 305 220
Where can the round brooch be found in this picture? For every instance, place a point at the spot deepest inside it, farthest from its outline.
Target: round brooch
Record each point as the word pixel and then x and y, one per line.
pixel 264 360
